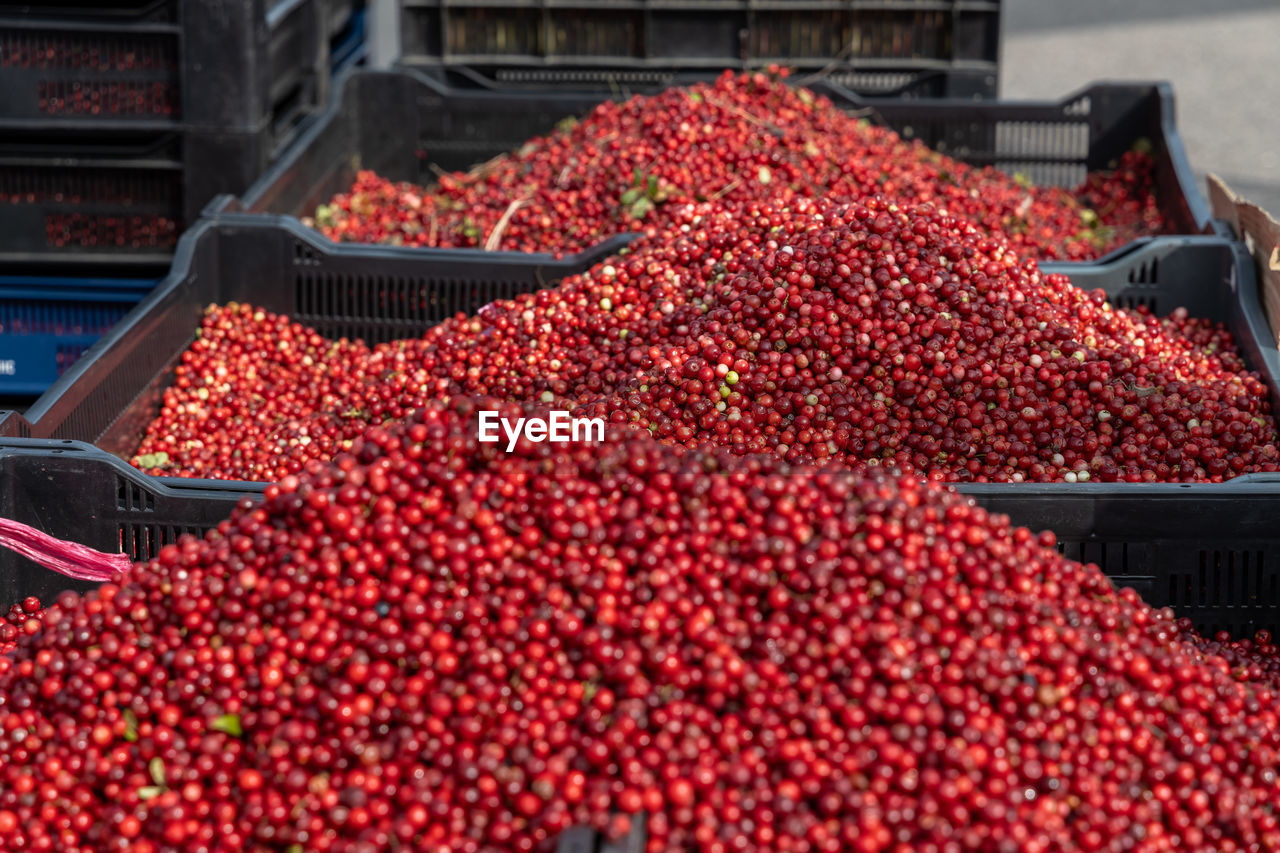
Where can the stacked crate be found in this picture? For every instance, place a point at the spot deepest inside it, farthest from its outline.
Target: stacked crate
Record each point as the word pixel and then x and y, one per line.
pixel 118 122
pixel 938 48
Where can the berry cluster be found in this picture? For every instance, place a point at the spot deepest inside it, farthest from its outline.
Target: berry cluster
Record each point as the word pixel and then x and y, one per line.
pixel 435 645
pixel 869 334
pixel 22 618
pixel 627 166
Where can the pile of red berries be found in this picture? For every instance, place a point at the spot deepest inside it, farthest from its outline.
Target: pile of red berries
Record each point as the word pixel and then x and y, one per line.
pixel 1256 659
pixel 628 166
pixel 22 618
pixel 869 334
pixel 257 395
pixel 437 645
pixel 891 335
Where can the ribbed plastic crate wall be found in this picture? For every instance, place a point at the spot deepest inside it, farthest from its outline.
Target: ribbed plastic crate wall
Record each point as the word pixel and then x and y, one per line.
pixel 926 48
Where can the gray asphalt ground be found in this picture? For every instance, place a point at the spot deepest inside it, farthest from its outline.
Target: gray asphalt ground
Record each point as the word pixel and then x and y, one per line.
pixel 1222 56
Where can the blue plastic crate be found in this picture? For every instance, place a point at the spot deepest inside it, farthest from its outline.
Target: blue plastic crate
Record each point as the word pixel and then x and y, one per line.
pixel 347 48
pixel 46 324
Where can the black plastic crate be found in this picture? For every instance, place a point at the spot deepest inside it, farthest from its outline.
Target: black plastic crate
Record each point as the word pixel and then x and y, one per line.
pixel 922 48
pixel 120 121
pixel 229 65
pixel 105 199
pixel 1173 542
pixel 367 292
pixel 1059 144
pixel 406 126
pixel 77 492
pixel 580 839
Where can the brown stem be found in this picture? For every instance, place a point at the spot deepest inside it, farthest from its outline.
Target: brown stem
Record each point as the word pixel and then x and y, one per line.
pixel 495 237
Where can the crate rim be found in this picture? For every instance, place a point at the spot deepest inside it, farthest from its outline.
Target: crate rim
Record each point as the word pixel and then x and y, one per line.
pixel 103 283
pixel 36 22
pixel 185 486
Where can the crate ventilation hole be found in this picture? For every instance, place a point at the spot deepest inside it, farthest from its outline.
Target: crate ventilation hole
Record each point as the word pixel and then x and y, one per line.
pixel 1079 107
pixel 1146 273
pixel 305 255
pixel 144 541
pixel 379 308
pixel 1235 578
pixel 131 497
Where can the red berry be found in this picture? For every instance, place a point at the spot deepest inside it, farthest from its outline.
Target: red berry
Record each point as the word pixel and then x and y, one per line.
pixel 706 638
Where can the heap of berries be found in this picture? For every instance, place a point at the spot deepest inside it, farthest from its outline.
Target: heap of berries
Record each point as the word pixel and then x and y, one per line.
pixel 22 618
pixel 868 334
pixel 257 395
pixel 627 166
pixel 436 645
pixel 1121 198
pixel 1256 659
pixel 873 333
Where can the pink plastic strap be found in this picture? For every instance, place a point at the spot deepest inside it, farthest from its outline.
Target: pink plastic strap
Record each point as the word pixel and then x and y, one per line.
pixel 67 558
